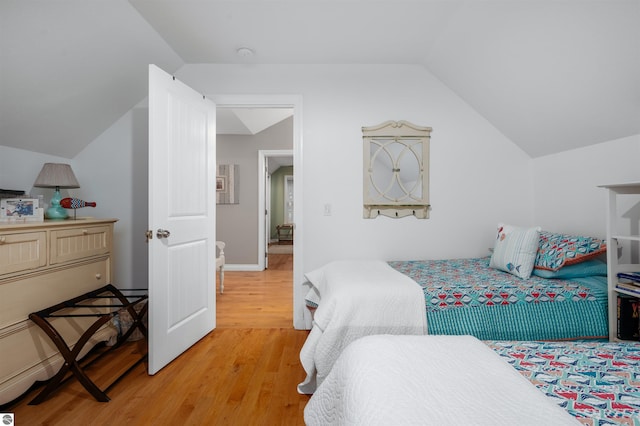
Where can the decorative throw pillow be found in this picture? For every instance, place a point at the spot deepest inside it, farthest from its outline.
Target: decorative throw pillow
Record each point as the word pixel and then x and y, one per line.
pixel 515 250
pixel 558 250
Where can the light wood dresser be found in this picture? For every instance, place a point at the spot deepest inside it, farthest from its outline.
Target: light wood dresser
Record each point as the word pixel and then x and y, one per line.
pixel 42 264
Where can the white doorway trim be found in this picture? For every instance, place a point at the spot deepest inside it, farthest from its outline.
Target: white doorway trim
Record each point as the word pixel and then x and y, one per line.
pixel 294 102
pixel 264 171
pixel 288 204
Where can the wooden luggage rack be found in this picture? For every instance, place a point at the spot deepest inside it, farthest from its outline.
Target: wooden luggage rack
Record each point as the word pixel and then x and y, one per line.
pixel 90 305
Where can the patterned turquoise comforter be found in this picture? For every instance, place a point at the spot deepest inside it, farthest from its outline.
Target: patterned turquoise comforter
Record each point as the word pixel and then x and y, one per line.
pixel 465 296
pixel 598 383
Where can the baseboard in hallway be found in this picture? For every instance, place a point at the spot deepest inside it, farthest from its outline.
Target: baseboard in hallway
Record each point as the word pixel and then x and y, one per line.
pixel 280 249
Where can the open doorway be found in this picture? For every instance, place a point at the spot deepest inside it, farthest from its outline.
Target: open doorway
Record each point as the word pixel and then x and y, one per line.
pixel 256 143
pixel 257 252
pixel 279 202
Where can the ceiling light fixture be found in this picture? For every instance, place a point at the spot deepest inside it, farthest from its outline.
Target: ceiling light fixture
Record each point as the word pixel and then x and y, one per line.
pixel 244 52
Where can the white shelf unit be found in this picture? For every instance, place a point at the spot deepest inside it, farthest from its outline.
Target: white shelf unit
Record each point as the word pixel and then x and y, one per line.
pixel 618 238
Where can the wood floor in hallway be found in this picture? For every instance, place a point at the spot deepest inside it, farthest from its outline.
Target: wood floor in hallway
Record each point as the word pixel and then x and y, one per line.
pixel 245 372
pixel 258 299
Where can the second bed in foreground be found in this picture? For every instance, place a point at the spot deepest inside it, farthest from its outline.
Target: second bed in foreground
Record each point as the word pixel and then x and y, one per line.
pixel 381 380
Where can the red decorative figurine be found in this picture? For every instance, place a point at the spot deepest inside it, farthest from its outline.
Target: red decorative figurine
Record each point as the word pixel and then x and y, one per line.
pixel 74 203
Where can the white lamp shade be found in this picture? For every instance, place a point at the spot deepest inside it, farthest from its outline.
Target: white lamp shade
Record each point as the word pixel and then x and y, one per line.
pixel 55 175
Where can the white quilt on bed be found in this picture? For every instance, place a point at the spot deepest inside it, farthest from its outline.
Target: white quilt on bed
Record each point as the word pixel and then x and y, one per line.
pixel 356 299
pixel 428 380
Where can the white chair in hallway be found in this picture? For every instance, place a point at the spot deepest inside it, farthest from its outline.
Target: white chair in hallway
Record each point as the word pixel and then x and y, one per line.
pixel 220 263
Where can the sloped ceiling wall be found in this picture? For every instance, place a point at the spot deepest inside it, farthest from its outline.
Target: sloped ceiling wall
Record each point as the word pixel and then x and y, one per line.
pixel 70 69
pixel 550 75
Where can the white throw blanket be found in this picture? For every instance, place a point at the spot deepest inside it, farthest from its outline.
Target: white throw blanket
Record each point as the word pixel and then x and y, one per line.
pixel 428 380
pixel 356 299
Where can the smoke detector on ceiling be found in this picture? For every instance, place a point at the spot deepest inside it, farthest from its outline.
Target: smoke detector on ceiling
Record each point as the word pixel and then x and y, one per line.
pixel 244 52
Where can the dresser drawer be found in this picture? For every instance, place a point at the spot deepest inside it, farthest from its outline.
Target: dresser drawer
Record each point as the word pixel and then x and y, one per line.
pixel 68 245
pixel 20 297
pixel 22 251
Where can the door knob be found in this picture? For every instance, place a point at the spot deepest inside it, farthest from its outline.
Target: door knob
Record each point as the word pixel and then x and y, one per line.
pixel 163 233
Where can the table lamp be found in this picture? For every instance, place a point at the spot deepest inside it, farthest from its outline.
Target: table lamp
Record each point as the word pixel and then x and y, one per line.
pixel 56 175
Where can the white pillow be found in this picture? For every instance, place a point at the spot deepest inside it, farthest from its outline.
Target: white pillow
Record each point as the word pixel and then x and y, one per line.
pixel 515 250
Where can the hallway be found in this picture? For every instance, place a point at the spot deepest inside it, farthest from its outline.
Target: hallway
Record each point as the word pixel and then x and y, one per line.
pixel 258 299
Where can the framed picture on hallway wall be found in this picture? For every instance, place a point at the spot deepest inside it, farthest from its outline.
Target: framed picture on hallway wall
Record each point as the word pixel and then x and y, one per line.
pixel 227 184
pixel 221 184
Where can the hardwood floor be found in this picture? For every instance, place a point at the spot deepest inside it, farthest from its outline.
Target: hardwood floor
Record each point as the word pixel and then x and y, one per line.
pixel 258 300
pixel 245 372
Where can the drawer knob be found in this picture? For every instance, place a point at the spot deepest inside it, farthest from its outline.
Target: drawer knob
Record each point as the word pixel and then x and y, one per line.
pixel 85 232
pixel 98 276
pixel 3 239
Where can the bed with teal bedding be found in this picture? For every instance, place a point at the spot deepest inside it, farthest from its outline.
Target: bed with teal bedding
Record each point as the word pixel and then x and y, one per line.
pixel 536 285
pixel 466 296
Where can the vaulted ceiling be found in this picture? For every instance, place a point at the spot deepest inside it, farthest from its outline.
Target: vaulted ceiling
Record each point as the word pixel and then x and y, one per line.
pixel 551 75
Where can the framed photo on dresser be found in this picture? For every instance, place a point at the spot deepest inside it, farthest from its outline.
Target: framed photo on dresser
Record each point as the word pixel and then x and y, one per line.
pixel 21 210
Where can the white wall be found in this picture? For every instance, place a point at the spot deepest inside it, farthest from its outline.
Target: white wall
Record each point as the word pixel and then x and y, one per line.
pixel 112 171
pixel 114 168
pixel 19 170
pixel 566 194
pixel 478 177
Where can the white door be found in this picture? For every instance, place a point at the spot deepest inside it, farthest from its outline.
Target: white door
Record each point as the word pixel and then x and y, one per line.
pixel 181 216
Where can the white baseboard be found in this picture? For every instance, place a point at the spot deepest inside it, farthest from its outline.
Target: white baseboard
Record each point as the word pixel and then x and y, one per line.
pixel 241 267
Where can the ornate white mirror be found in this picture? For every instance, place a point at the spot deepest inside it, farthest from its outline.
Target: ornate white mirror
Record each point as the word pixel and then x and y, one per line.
pixel 396 170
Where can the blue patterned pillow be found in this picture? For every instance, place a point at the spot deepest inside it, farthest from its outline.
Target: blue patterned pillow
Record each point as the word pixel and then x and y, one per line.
pixel 515 250
pixel 588 268
pixel 558 250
